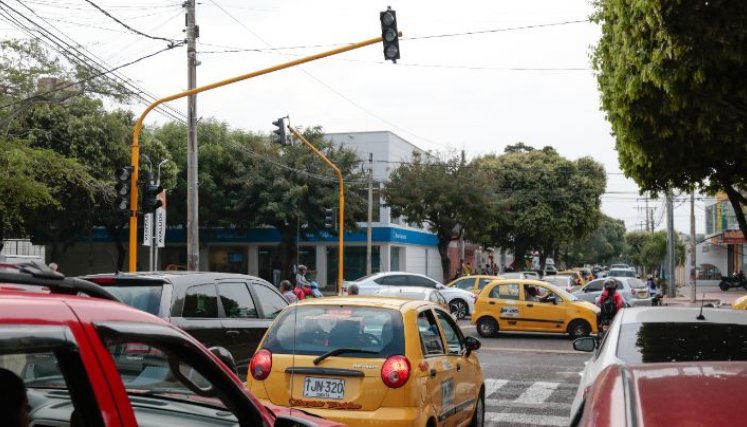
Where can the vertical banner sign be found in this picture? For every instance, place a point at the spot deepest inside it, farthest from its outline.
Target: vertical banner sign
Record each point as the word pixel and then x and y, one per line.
pixel 161 221
pixel 147 229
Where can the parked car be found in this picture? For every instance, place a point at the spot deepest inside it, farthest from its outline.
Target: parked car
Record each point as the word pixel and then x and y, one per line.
pixel 91 361
pixel 664 334
pixel 219 309
pixel 415 292
pixel 672 394
pixel 532 306
pixel 472 283
pixel 634 291
pixel 461 302
pixel 371 361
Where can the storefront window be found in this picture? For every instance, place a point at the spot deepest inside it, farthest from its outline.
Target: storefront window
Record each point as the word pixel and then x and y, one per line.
pixel 355 263
pixel 229 259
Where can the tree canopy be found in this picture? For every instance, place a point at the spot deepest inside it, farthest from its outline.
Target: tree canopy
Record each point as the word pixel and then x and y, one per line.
pixel 603 246
pixel 673 79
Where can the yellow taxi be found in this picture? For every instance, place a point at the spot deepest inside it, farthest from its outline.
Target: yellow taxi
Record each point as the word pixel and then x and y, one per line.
pixel 532 305
pixel 371 361
pixel 740 303
pixel 578 277
pixel 472 283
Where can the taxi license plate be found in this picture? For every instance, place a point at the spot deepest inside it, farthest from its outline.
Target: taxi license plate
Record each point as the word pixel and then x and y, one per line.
pixel 326 388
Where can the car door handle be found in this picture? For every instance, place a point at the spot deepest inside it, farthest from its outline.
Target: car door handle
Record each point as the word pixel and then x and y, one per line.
pixel 233 333
pixel 530 305
pixel 434 373
pixel 492 303
pixel 459 367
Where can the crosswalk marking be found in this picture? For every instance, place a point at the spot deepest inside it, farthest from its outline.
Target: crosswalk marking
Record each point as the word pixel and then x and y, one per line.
pixel 492 385
pixel 537 392
pixel 507 403
pixel 529 419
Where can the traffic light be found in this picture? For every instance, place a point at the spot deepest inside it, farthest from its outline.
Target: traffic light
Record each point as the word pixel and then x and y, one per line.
pixel 390 34
pixel 281 131
pixel 151 202
pixel 122 188
pixel 330 219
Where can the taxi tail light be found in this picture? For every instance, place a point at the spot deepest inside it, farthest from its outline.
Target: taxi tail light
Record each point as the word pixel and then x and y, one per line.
pixel 395 371
pixel 261 364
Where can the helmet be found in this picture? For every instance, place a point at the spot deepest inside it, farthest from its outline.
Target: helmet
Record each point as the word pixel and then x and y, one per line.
pixel 610 284
pixel 649 277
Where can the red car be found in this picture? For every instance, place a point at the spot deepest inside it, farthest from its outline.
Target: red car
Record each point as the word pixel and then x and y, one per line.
pixel 665 394
pixel 89 361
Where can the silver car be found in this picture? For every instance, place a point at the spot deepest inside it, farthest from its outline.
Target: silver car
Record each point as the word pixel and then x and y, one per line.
pixel 664 334
pixel 634 291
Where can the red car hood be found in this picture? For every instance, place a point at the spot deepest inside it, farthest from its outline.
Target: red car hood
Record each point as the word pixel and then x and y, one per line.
pixel 297 413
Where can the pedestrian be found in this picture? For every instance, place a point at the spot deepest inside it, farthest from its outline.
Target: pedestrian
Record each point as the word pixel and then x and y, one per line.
pixel 459 270
pixel 276 271
pixel 15 402
pixel 353 289
pixel 286 289
pixel 467 268
pixel 53 266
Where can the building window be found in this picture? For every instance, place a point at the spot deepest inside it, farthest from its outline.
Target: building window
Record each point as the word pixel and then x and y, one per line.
pixel 709 272
pixel 394 258
pixel 355 262
pixel 229 259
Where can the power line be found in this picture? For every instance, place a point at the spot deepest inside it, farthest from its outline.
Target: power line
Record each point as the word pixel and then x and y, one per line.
pixel 115 19
pixel 499 30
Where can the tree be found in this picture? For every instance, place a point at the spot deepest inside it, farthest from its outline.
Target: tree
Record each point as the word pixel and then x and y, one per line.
pixel 673 79
pixel 446 194
pixel 649 250
pixel 603 246
pixel 542 199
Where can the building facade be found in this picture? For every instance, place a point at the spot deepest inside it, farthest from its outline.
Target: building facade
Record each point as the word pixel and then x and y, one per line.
pixel 396 246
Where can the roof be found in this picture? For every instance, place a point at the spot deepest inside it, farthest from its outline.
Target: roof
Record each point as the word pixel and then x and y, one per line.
pixel 401 304
pixel 166 275
pixel 681 314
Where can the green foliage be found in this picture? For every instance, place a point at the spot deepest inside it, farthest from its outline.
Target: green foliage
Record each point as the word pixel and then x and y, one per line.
pixel 446 194
pixel 603 246
pixel 649 250
pixel 673 79
pixel 541 199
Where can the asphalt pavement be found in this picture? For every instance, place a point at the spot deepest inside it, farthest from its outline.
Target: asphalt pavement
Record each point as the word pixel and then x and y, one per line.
pixel 530 379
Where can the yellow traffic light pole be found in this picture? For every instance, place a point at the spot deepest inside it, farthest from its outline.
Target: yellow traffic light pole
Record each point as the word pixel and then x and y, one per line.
pixel 139 124
pixel 341 215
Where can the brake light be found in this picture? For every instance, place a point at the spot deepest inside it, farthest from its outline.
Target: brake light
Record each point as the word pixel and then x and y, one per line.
pixel 395 371
pixel 261 364
pixel 102 280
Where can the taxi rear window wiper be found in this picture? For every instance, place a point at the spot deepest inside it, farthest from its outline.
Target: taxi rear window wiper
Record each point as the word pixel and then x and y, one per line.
pixel 337 351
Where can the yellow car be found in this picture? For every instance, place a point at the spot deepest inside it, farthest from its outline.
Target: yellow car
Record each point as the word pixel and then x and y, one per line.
pixel 371 361
pixel 578 277
pixel 532 305
pixel 474 283
pixel 740 303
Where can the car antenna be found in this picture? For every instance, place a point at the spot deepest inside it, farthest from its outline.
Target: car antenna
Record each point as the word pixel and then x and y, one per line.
pixel 700 315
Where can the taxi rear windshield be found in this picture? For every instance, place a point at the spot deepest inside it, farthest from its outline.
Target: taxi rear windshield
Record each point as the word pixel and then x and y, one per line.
pixel 319 329
pixel 682 342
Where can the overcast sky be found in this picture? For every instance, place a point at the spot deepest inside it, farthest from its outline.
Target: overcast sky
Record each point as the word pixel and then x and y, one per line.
pixel 502 72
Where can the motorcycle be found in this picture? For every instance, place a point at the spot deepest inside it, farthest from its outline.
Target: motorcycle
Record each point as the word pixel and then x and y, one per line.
pixel 734 281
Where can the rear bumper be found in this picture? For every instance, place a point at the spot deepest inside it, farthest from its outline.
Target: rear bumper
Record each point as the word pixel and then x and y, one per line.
pixel 382 417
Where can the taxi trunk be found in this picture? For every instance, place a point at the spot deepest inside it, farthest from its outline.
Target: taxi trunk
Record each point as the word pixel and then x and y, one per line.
pixel 332 357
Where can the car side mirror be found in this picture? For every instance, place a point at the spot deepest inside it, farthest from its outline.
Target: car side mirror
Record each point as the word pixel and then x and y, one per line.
pixel 472 344
pixel 440 286
pixel 226 357
pixel 587 344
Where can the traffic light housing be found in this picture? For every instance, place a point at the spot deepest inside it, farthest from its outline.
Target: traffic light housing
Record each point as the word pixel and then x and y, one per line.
pixel 330 219
pixel 390 34
pixel 282 134
pixel 150 191
pixel 123 176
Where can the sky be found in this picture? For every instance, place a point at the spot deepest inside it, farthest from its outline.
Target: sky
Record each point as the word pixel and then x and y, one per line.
pixel 476 75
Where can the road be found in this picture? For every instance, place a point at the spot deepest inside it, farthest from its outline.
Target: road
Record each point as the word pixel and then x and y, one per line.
pixel 530 379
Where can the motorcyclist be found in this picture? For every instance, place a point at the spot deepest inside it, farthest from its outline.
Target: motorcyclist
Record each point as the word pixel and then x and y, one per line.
pixel 610 302
pixel 651 285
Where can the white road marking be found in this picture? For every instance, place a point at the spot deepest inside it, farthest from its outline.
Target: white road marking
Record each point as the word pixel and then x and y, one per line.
pixel 506 403
pixel 530 419
pixel 492 385
pixel 537 392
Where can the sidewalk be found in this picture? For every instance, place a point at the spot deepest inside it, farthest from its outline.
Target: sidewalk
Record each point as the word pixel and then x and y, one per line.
pixel 706 295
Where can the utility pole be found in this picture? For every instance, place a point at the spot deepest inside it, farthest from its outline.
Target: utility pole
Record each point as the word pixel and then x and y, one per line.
pixel 369 233
pixel 193 224
pixel 694 278
pixel 671 287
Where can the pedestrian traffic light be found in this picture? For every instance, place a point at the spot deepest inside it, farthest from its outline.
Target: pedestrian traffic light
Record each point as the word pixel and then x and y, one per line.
pixel 122 188
pixel 151 202
pixel 330 219
pixel 390 34
pixel 282 135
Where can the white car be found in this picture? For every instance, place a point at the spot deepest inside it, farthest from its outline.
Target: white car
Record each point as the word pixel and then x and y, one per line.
pixel 414 292
pixel 663 334
pixel 461 302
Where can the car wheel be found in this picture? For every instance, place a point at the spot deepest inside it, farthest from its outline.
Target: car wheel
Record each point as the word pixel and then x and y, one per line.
pixel 579 328
pixel 459 308
pixel 487 327
pixel 478 418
